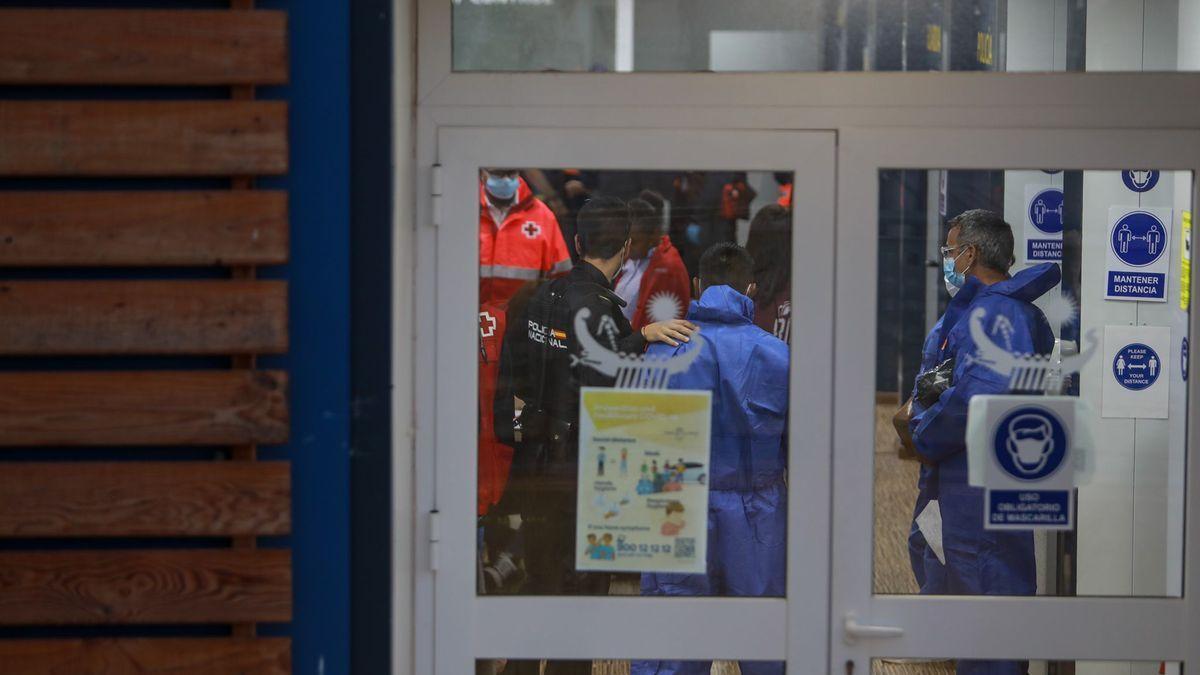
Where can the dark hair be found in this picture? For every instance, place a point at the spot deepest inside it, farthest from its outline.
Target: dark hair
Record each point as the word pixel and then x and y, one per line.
pixel 770 244
pixel 603 227
pixel 645 217
pixel 986 231
pixel 727 264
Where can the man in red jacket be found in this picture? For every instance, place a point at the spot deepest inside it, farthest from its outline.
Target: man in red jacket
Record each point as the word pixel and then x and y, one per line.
pixel 654 280
pixel 519 243
pixel 519 237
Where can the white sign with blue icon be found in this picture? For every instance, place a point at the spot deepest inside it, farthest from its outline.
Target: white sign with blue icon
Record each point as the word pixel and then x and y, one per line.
pixel 1043 224
pixel 1021 449
pixel 1139 254
pixel 1136 372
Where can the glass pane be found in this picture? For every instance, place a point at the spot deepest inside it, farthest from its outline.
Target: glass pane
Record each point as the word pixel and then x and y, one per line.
pixel 825 35
pixel 1070 311
pixel 951 667
pixel 512 667
pixel 620 452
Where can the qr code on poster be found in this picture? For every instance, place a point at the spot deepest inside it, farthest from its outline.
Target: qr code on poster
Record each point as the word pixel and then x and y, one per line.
pixel 685 547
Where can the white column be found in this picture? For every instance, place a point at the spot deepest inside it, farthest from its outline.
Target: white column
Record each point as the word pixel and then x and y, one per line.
pixel 1189 35
pixel 624 37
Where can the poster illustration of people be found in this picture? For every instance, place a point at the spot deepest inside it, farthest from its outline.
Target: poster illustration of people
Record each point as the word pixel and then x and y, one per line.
pixel 643 480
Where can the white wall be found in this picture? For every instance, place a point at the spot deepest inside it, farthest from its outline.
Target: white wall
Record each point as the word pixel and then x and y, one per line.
pixel 1131 516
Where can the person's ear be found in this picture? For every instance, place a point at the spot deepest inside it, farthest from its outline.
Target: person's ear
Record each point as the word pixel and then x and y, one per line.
pixel 625 251
pixel 578 246
pixel 696 287
pixel 972 257
pixel 751 290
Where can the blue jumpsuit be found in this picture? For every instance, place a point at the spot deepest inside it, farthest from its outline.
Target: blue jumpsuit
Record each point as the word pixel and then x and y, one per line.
pixel 931 581
pixel 746 369
pixel 978 561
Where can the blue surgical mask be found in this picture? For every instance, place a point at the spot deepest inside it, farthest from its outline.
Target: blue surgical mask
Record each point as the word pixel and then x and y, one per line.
pixel 501 187
pixel 954 279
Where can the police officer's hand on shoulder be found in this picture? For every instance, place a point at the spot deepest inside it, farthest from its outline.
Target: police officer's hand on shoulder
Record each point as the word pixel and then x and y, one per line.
pixel 671 332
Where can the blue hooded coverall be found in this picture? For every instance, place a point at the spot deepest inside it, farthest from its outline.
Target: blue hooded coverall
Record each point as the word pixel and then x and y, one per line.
pixel 931 581
pixel 978 561
pixel 746 369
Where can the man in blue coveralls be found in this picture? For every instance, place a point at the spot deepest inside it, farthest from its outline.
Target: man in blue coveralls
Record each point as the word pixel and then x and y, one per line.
pixel 746 369
pixel 976 259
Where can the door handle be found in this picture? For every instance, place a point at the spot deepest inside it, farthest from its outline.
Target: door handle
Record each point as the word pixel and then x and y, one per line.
pixel 855 631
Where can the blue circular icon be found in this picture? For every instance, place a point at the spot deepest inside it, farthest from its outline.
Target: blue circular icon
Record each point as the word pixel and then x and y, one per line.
pixel 1140 180
pixel 1031 443
pixel 1139 239
pixel 1136 366
pixel 1046 211
pixel 1183 358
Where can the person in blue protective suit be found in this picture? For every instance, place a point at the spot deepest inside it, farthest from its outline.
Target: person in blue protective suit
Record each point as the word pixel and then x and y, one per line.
pixel 746 369
pixel 976 261
pixel 931 581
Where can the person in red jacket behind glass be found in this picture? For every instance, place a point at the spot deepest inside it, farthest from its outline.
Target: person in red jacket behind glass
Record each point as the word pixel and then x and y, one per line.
pixel 495 458
pixel 654 280
pixel 784 180
pixel 520 243
pixel 519 237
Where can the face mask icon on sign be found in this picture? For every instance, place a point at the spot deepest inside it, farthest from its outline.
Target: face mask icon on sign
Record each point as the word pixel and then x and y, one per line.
pixel 1140 177
pixel 1030 442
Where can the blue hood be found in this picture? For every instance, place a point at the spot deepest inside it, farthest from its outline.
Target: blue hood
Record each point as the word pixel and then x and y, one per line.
pixel 722 304
pixel 1028 284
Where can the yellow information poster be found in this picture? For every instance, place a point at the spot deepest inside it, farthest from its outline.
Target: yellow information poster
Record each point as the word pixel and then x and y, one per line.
pixel 643 480
pixel 1185 262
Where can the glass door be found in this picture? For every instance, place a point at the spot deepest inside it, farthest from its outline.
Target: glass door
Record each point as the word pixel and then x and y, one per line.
pixel 608 496
pixel 1011 381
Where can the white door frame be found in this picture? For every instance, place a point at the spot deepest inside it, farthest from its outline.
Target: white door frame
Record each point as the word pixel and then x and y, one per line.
pixel 1124 629
pixel 918 103
pixel 467 626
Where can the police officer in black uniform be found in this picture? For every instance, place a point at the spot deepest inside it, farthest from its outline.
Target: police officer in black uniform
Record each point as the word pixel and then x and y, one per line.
pixel 540 360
